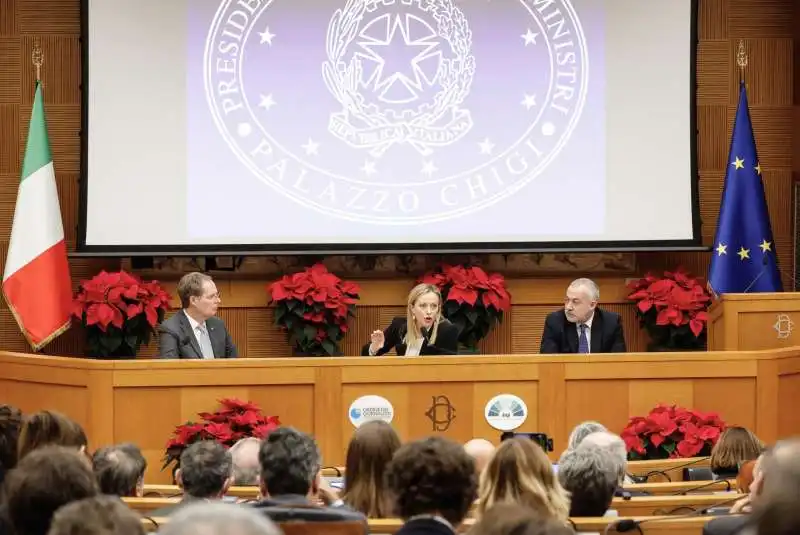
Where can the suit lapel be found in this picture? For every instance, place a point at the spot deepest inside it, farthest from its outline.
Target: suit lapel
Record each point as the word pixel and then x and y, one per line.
pixel 189 332
pixel 214 337
pixel 571 332
pixel 597 333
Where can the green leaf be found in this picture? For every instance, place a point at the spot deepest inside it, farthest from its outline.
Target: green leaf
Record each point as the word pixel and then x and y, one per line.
pixel 329 347
pixel 668 446
pixel 310 332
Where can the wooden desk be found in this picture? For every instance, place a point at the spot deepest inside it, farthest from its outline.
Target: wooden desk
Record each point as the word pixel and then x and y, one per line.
pixel 142 401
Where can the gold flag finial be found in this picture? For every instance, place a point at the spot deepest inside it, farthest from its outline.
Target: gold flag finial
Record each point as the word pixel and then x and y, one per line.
pixel 741 58
pixel 38 58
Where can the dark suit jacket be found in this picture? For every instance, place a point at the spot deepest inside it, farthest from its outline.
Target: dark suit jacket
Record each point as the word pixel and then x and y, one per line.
pixel 176 339
pixel 561 335
pixel 294 507
pixel 446 339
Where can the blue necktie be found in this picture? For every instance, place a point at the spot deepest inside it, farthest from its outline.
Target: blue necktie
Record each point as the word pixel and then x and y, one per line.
pixel 583 342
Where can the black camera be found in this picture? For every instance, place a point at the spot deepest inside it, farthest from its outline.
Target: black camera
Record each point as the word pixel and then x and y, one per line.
pixel 545 442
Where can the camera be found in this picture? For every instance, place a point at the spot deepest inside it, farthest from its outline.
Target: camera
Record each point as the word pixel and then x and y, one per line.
pixel 545 442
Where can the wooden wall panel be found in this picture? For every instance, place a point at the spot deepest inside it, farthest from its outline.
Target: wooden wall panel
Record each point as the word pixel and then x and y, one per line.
pixel 769 28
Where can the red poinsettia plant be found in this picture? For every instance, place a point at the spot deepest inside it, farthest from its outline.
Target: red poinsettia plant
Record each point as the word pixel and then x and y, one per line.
pixel 313 307
pixel 473 300
pixel 119 312
pixel 673 309
pixel 232 421
pixel 670 431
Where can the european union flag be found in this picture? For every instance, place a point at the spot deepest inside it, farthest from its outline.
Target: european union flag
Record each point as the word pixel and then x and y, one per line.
pixel 743 259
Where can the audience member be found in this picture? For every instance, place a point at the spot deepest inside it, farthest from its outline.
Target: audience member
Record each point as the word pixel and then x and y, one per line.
pixel 515 519
pixel 581 431
pixel 433 482
pixel 616 446
pixel 44 480
pixel 481 451
pixel 218 519
pixel 520 472
pixel 100 515
pixel 736 446
pixel 120 470
pixel 49 428
pixel 205 474
pixel 370 450
pixel 291 480
pixel 591 474
pixel 775 510
pixel 10 422
pixel 246 469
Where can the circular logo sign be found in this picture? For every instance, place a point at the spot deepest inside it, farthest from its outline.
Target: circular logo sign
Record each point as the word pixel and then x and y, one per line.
pixel 369 408
pixel 396 112
pixel 506 412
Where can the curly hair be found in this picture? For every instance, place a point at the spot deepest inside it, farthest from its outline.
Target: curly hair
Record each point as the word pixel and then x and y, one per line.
pixel 432 475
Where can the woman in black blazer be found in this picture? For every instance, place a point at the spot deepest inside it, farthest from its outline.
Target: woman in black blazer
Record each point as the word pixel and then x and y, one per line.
pixel 429 332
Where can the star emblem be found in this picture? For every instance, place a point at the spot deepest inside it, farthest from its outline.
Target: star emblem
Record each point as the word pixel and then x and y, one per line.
pixel 530 37
pixel 743 253
pixel 738 163
pixel 311 147
pixel 758 169
pixel 765 246
pixel 266 102
pixel 428 168
pixel 368 168
pixel 722 249
pixel 529 101
pixel 266 36
pixel 486 146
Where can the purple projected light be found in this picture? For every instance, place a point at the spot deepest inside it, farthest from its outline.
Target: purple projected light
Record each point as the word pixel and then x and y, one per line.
pixel 392 112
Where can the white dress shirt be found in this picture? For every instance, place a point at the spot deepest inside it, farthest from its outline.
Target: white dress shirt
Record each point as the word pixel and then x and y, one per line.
pixel 200 331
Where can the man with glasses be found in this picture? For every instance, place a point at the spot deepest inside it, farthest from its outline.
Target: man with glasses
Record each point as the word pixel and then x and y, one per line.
pixel 195 332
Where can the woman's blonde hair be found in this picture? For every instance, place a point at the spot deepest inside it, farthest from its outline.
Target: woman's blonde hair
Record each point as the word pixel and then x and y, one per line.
pixel 368 454
pixel 521 473
pixel 412 333
pixel 736 446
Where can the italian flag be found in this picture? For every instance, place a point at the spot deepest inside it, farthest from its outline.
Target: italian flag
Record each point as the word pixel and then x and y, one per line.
pixel 36 280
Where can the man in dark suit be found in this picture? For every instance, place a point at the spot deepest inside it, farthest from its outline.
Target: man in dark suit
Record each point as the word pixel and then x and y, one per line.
pixel 582 327
pixel 195 332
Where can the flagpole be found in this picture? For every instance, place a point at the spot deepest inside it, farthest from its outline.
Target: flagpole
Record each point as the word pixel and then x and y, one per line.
pixel 37 57
pixel 741 59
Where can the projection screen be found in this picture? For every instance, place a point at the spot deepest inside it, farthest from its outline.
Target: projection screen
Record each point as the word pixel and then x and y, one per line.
pixel 402 125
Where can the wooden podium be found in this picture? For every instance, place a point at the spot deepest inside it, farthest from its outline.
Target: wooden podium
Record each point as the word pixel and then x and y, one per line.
pixel 754 321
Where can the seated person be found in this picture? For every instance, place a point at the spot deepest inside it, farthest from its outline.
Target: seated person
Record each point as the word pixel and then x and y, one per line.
pixel 591 474
pixel 736 446
pixel 99 515
pixel 424 331
pixel 582 327
pixel 194 332
pixel 120 470
pixel 291 480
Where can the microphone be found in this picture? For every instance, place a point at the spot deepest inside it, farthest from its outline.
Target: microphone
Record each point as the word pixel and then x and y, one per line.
pixel 704 485
pixel 629 524
pixel 644 478
pixel 764 266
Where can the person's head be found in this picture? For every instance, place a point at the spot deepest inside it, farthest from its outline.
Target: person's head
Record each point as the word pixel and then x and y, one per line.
pixel 734 447
pixel 775 506
pixel 205 470
pixel 219 518
pixel 245 462
pixel 290 463
pixel 370 450
pixel 120 470
pixel 481 451
pixel 581 431
pixel 49 428
pixel 611 443
pixel 516 519
pixel 591 474
pixel 520 472
pixel 581 300
pixel 424 311
pixel 198 295
pixel 10 422
pixel 43 481
pixel 100 515
pixel 432 476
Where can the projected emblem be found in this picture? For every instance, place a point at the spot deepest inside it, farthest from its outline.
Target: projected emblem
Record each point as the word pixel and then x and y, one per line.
pixel 386 101
pixel 396 112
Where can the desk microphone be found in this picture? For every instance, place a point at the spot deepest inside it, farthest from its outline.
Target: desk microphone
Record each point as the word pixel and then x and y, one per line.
pixel 629 524
pixel 704 485
pixel 644 478
pixel 765 265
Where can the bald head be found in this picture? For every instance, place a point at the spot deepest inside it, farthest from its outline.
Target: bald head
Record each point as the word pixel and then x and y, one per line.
pixel 246 469
pixel 481 451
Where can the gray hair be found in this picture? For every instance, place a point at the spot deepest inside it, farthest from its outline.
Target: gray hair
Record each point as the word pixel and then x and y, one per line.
pixel 591 474
pixel 591 288
pixel 608 441
pixel 246 470
pixel 581 431
pixel 205 468
pixel 119 469
pixel 290 461
pixel 219 518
